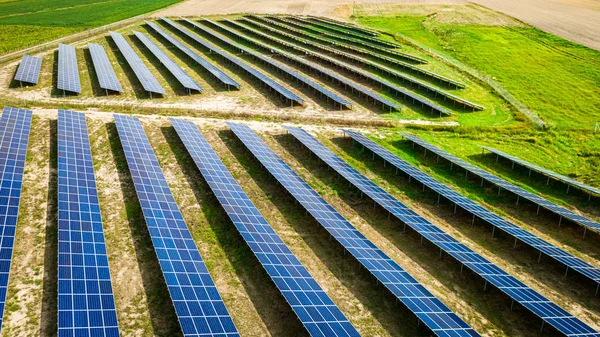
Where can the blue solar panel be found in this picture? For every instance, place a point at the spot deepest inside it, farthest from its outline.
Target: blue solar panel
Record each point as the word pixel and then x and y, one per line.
pixel 305 80
pixel 431 311
pixel 198 304
pixel 29 69
pixel 104 70
pixel 501 183
pixel 283 91
pixel 14 135
pixel 86 304
pixel 317 312
pixel 68 73
pixel 495 220
pixel 344 25
pixel 216 72
pixel 570 182
pixel 375 79
pixel 143 74
pixel 511 286
pixel 181 76
pixel 303 62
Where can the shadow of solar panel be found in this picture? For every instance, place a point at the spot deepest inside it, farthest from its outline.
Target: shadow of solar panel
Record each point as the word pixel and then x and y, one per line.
pixel 198 304
pixel 280 67
pixel 501 183
pixel 342 80
pixel 569 260
pixel 68 73
pixel 428 309
pixel 104 70
pixel 550 174
pixel 317 312
pixel 280 89
pixel 143 74
pixel 29 69
pixel 181 76
pixel 517 290
pixel 216 72
pixel 86 304
pixel 15 125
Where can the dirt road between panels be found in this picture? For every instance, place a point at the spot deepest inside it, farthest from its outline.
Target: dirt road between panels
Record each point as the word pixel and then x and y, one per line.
pixel 575 20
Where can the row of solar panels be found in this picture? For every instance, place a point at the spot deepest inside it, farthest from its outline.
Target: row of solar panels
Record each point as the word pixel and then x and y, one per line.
pixel 270 25
pixel 86 302
pixel 68 75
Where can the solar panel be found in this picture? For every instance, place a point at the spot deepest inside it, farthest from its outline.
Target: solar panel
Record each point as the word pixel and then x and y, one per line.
pixel 86 304
pixel 501 183
pixel 570 182
pixel 416 99
pixel 14 135
pixel 317 312
pixel 216 72
pixel 68 73
pixel 383 54
pixel 339 28
pixel 198 305
pixel 431 311
pixel 181 76
pixel 280 89
pixel 337 34
pixel 104 70
pixel 143 74
pixel 305 80
pixel 344 25
pixel 29 69
pixel 550 312
pixel 569 260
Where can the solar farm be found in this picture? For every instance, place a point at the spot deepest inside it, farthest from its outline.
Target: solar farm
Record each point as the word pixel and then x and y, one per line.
pixel 287 175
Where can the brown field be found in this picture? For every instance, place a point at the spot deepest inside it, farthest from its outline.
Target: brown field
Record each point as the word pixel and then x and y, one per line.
pixel 575 20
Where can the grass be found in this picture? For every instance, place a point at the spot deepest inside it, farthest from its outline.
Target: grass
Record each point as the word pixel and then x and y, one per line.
pixel 558 79
pixel 37 21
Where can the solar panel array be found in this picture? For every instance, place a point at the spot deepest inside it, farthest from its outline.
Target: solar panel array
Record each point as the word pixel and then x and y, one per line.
pixel 501 183
pixel 86 304
pixel 143 74
pixel 341 29
pixel 305 80
pixel 344 24
pixel 15 125
pixel 377 43
pixel 317 312
pixel 550 174
pixel 431 311
pixel 198 305
pixel 216 72
pixel 29 69
pixel 481 212
pixel 68 73
pixel 181 76
pixel 280 89
pixel 375 79
pixel 517 290
pixel 301 61
pixel 354 58
pixel 385 54
pixel 288 71
pixel 104 70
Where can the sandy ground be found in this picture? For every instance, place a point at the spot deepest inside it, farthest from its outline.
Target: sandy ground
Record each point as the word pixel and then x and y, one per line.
pixel 576 20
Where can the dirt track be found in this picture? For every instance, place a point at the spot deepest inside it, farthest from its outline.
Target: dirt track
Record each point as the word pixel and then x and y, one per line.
pixel 576 20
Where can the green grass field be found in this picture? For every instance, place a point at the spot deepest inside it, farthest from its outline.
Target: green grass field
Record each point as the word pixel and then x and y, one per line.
pixel 37 21
pixel 557 79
